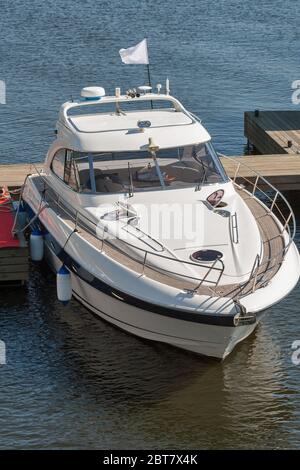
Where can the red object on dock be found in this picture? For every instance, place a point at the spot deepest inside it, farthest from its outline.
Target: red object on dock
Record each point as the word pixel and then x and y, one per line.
pixel 6 221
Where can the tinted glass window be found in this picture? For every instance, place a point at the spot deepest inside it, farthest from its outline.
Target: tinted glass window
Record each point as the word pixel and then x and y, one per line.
pixel 179 167
pixel 71 171
pixel 58 163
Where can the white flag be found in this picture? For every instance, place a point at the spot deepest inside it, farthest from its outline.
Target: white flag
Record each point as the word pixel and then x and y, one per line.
pixel 135 55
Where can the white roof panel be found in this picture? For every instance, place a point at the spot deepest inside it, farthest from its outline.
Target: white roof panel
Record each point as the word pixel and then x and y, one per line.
pixel 112 132
pixel 112 122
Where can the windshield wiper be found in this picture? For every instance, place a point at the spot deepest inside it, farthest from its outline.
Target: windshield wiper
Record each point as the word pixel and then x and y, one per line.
pixel 204 177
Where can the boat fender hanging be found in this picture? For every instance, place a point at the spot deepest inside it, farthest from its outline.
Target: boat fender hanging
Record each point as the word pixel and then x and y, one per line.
pixel 36 245
pixel 64 285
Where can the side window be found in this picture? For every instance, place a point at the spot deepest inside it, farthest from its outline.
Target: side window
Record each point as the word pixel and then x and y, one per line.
pixel 58 163
pixel 64 166
pixel 71 177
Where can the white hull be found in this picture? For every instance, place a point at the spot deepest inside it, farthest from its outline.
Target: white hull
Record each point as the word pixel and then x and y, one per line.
pixel 207 340
pixel 161 260
pixel 159 311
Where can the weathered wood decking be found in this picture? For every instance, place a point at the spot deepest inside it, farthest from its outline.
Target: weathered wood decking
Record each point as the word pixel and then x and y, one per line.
pixel 14 265
pixel 281 170
pixel 13 175
pixel 273 132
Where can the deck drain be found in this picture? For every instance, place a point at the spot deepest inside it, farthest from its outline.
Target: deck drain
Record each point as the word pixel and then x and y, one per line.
pixel 206 256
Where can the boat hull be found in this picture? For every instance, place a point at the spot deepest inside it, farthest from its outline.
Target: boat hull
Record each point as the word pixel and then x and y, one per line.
pixel 214 341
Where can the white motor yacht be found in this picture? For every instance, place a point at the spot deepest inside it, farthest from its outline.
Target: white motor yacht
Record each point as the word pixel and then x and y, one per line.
pixel 158 240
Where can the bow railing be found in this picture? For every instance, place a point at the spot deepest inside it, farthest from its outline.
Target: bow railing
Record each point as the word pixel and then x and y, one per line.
pixel 143 257
pixel 254 184
pixel 247 179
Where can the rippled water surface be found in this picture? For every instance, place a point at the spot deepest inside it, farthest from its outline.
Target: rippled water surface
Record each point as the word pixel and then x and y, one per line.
pixel 71 380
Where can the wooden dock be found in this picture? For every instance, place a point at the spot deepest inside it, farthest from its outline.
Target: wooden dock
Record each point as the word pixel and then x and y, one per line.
pixel 273 132
pixel 13 175
pixel 14 266
pixel 281 170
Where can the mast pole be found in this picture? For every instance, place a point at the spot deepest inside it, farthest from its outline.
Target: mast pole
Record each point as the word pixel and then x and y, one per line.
pixel 149 75
pixel 148 72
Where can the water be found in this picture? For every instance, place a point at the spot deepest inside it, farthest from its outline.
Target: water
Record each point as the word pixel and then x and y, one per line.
pixel 71 380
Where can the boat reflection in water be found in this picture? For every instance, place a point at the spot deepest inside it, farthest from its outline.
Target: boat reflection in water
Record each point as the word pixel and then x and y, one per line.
pixel 97 387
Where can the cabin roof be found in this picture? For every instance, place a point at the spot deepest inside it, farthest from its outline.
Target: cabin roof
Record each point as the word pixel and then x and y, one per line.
pixel 112 131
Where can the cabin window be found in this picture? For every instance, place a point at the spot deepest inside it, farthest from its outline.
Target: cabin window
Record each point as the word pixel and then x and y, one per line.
pixel 58 163
pixel 64 166
pixel 71 177
pixel 171 168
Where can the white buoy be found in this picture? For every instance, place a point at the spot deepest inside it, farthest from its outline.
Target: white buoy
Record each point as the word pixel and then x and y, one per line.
pixel 36 245
pixel 64 285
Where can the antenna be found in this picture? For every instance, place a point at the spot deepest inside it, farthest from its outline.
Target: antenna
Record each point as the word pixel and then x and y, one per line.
pixel 167 86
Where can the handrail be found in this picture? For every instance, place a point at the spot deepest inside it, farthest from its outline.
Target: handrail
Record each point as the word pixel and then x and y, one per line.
pixel 75 216
pixel 287 222
pixel 194 116
pixel 270 185
pixel 234 232
pixel 67 106
pixel 288 226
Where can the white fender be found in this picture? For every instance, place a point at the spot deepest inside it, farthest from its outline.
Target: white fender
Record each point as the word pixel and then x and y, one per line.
pixel 64 285
pixel 36 245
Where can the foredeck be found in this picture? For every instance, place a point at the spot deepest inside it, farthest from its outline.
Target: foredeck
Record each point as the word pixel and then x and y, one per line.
pixel 262 272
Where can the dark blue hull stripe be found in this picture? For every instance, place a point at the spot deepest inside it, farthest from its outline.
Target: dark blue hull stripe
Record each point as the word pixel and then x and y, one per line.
pixel 209 319
pixel 78 270
pixel 100 312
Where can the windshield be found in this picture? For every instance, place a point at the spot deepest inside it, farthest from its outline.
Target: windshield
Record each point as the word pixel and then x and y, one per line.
pixel 172 168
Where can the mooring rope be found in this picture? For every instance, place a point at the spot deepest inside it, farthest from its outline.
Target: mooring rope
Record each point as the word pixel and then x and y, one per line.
pixel 31 220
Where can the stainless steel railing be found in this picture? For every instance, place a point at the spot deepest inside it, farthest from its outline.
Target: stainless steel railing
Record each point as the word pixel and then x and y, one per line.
pixel 276 205
pixel 260 267
pixel 273 196
pixel 80 219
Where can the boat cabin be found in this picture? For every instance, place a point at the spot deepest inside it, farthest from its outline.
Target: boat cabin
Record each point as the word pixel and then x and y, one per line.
pixel 132 144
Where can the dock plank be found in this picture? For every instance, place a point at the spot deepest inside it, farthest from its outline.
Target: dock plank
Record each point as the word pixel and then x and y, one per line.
pixel 14 277
pixel 270 131
pixel 14 255
pixel 13 175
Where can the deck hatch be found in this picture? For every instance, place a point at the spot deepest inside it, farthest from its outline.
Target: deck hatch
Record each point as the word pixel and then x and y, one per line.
pixel 206 256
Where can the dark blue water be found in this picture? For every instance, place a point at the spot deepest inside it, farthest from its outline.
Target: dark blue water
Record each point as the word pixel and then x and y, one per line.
pixel 71 380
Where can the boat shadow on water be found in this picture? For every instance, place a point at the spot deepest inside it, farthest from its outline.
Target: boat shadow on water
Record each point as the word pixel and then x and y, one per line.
pixel 145 381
